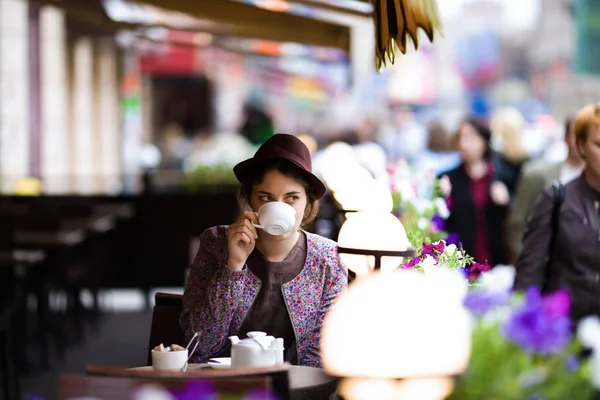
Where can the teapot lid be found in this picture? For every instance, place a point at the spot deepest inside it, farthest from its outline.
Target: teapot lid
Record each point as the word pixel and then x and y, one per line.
pixel 254 334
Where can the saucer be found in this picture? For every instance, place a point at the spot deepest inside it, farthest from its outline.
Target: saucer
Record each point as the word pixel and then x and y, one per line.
pixel 220 363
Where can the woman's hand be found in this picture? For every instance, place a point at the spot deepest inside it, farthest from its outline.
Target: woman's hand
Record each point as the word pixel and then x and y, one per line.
pixel 241 239
pixel 445 186
pixel 499 193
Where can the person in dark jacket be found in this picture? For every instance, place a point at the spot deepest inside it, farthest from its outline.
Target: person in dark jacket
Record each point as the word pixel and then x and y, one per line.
pixel 575 258
pixel 478 203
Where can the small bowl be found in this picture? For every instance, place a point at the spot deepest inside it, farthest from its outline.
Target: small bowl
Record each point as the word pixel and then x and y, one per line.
pixel 169 360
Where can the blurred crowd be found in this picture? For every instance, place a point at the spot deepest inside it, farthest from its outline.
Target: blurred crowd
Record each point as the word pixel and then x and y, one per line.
pixel 491 170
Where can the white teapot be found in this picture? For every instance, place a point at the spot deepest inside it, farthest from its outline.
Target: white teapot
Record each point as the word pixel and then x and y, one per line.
pixel 258 350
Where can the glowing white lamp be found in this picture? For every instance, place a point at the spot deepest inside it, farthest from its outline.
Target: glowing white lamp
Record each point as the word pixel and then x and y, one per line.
pixel 372 230
pixel 370 195
pixel 400 335
pixel 339 167
pixel 340 175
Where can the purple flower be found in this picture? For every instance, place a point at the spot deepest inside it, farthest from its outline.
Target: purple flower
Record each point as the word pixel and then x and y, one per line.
pixel 453 239
pixel 260 394
pixel 197 390
pixel 572 364
pixel 466 272
pixel 412 263
pixel 433 249
pixel 438 222
pixel 536 326
pixel 480 302
pixel 557 304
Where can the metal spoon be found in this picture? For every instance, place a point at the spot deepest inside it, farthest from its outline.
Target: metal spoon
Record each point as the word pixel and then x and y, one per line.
pixel 192 339
pixel 191 353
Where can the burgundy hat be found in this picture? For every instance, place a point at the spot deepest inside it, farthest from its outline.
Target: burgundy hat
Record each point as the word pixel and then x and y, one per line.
pixel 285 147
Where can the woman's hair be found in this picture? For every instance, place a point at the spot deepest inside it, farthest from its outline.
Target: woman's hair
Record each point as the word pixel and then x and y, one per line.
pixel 587 118
pixel 440 140
pixel 508 124
pixel 288 169
pixel 482 130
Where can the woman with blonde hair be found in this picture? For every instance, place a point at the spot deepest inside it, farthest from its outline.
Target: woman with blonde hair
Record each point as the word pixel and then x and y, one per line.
pixel 507 125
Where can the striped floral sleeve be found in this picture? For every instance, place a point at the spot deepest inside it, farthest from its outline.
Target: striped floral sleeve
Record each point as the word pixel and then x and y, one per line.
pixel 212 294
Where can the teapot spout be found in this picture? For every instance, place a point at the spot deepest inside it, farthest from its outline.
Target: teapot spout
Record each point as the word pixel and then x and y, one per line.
pixel 234 339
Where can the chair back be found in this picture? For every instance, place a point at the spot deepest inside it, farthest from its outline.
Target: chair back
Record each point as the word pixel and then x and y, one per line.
pixel 6 232
pixel 165 327
pixel 124 388
pixel 39 220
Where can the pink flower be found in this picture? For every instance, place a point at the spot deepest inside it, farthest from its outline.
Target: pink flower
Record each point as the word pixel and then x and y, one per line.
pixel 481 267
pixel 449 202
pixel 433 249
pixel 430 176
pixel 477 268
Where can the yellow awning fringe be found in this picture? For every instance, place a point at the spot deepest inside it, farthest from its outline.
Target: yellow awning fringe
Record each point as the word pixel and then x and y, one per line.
pixel 397 20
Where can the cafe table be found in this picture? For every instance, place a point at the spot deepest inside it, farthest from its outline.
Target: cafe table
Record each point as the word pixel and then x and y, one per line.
pixel 305 383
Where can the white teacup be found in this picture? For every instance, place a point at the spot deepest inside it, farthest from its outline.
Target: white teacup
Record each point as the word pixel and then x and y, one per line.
pixel 276 218
pixel 169 360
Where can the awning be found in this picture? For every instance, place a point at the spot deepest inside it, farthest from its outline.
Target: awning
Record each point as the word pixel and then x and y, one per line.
pixel 341 24
pixel 273 22
pixel 325 23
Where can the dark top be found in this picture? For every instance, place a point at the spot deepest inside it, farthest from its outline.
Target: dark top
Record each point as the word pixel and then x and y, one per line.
pixel 269 312
pixel 477 222
pixel 575 262
pixel 479 194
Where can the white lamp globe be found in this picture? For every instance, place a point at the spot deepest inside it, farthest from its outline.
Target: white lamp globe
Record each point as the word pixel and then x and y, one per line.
pixel 340 175
pixel 372 230
pixel 340 151
pixel 400 325
pixel 371 195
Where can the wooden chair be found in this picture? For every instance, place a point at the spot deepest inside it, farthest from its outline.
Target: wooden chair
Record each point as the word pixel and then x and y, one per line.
pixel 17 267
pixel 123 388
pixel 278 376
pixel 9 376
pixel 165 327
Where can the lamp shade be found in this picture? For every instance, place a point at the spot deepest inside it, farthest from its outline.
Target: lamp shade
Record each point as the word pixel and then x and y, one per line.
pixel 403 324
pixel 345 174
pixel 368 195
pixel 372 230
pixel 339 168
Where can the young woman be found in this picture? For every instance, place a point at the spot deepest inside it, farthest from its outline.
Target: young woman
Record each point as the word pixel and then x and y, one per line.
pixel 478 202
pixel 244 279
pixel 574 258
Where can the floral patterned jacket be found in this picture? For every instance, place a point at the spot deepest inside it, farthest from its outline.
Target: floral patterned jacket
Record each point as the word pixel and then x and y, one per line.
pixel 217 298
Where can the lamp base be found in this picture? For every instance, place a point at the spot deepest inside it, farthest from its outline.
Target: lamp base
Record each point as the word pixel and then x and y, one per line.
pixel 395 389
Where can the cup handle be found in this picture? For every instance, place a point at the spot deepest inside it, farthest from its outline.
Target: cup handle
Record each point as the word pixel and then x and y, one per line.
pixel 258 226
